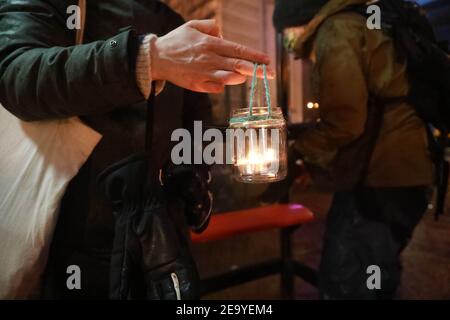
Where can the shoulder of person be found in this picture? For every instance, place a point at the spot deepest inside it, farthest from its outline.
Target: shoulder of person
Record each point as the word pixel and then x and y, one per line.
pixel 340 31
pixel 343 24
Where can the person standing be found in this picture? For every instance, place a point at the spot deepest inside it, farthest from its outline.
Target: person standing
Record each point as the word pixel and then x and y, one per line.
pixel 106 82
pixel 371 223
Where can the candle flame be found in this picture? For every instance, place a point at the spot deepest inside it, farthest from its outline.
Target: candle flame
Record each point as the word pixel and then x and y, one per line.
pixel 258 158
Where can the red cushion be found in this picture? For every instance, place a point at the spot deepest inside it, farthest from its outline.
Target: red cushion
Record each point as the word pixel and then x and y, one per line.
pixel 229 224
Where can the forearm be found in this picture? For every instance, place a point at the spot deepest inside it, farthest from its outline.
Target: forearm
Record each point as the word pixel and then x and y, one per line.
pixel 57 82
pixel 44 76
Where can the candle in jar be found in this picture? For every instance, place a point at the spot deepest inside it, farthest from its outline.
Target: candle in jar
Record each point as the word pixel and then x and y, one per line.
pixel 257 162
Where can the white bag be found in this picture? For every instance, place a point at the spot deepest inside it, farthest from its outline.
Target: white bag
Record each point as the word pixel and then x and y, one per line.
pixel 37 161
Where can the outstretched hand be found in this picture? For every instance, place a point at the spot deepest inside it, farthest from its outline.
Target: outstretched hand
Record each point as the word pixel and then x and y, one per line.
pixel 196 57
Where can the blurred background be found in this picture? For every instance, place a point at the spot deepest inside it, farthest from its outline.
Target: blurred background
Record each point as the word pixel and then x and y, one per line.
pixel 426 261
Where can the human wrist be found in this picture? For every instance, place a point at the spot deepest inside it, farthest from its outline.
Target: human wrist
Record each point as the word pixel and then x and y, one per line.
pixel 155 59
pixel 144 67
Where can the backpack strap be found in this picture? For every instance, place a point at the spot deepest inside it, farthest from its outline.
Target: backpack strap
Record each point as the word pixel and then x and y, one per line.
pixel 377 106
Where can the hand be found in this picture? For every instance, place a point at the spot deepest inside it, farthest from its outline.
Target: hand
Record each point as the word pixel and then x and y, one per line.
pixel 194 56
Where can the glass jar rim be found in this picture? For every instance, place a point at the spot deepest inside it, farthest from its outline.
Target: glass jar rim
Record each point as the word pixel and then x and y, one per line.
pixel 242 115
pixel 275 110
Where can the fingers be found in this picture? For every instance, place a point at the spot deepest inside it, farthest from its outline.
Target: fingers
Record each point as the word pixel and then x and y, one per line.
pixel 244 68
pixel 210 87
pixel 238 58
pixel 230 49
pixel 218 80
pixel 228 77
pixel 209 27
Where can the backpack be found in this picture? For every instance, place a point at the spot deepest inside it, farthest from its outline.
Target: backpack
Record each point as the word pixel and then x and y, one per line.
pixel 428 71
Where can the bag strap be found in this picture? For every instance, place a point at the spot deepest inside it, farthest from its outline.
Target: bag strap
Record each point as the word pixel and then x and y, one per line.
pixel 80 32
pixel 153 171
pixel 150 104
pixel 379 105
pixel 149 123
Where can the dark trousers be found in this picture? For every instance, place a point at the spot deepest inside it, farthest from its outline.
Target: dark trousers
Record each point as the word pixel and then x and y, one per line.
pixel 368 226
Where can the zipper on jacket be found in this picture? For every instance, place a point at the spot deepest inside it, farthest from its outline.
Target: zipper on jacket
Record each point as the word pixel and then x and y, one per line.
pixel 176 285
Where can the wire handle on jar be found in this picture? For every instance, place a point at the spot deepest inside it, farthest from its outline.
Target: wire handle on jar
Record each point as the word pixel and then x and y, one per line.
pixel 250 116
pixel 266 87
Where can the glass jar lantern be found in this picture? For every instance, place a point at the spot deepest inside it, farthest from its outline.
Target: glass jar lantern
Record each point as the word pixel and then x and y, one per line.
pixel 259 151
pixel 259 141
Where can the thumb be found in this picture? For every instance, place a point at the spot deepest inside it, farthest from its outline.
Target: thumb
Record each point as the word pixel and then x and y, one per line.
pixel 209 27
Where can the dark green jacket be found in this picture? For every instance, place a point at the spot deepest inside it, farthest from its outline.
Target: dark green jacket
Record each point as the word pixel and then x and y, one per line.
pixel 44 76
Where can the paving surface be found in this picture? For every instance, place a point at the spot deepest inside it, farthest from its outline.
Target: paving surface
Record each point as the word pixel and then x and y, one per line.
pixel 426 261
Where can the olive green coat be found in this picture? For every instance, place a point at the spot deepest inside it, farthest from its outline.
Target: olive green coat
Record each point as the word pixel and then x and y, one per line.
pixel 351 61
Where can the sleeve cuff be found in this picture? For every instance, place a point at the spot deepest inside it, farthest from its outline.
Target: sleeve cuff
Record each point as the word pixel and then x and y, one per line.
pixel 144 67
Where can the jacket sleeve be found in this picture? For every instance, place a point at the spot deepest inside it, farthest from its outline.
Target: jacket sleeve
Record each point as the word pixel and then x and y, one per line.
pixel 43 75
pixel 339 77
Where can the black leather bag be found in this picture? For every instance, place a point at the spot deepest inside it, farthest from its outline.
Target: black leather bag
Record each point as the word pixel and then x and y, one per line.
pixel 151 258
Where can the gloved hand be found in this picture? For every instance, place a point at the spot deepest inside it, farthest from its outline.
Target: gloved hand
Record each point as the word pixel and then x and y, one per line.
pixel 192 184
